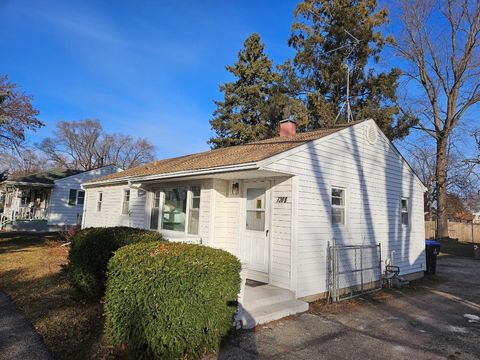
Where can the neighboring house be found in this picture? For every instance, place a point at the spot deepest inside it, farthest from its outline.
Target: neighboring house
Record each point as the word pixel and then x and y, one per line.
pixel 54 195
pixel 278 205
pixel 67 198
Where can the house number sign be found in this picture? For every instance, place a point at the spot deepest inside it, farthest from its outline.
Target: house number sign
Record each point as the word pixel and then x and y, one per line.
pixel 282 199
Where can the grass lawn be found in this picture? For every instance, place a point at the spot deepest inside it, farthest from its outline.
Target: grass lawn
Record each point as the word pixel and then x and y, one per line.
pixel 31 274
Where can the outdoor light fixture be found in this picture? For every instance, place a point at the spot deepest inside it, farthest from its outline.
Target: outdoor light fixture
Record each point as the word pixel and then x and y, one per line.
pixel 235 188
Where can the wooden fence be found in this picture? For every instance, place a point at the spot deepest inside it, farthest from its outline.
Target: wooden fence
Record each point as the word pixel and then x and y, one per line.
pixel 464 232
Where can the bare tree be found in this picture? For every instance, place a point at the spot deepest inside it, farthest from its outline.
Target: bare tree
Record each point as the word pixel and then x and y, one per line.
pixel 422 159
pixel 440 41
pixel 126 152
pixel 85 145
pixel 23 162
pixel 476 136
pixel 463 181
pixel 16 115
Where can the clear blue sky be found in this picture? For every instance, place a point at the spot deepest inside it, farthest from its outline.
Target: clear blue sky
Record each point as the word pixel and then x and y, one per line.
pixel 147 68
pixel 150 70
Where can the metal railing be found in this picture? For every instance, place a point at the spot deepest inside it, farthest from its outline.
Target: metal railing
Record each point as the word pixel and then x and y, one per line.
pixel 354 270
pixel 22 214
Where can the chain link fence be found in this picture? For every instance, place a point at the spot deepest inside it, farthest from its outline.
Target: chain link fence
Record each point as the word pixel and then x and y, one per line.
pixel 354 270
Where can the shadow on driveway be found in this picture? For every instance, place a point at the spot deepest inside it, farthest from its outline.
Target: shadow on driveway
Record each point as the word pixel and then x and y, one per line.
pixel 424 321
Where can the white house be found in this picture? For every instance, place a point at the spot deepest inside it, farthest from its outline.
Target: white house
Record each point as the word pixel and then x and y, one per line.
pixel 67 196
pixel 55 196
pixel 280 205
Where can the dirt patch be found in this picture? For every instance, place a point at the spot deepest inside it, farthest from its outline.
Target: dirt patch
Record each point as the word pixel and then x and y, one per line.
pixel 346 306
pixel 31 273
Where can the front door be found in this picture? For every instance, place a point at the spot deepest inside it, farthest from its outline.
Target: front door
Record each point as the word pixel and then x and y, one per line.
pixel 257 230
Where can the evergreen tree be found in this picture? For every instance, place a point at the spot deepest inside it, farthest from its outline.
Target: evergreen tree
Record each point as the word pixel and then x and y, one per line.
pixel 327 34
pixel 254 103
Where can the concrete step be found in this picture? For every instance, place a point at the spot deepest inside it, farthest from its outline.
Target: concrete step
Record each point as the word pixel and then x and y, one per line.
pixel 256 297
pixel 264 314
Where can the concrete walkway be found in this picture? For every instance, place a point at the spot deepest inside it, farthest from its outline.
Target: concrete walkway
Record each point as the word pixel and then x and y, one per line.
pixel 18 339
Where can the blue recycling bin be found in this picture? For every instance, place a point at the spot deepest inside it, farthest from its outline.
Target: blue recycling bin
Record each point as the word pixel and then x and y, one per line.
pixel 432 249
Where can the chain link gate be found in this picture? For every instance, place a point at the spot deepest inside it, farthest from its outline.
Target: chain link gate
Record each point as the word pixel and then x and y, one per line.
pixel 354 270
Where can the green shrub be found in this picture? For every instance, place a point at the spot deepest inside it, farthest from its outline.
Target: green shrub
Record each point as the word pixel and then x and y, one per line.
pixel 91 249
pixel 170 300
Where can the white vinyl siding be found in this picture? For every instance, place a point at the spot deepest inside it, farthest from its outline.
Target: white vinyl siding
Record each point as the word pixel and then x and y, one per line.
pixel 110 214
pixel 281 233
pixel 376 178
pixel 227 218
pixel 137 213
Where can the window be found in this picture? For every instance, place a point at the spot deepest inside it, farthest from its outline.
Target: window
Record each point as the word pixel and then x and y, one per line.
pixel 72 197
pixel 180 210
pixel 25 197
pixel 174 209
pixel 99 201
pixel 338 206
pixel 126 202
pixel 76 197
pixel 155 210
pixel 255 209
pixel 80 197
pixel 194 210
pixel 404 211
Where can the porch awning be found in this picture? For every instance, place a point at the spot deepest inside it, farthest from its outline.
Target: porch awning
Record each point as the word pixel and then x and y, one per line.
pixel 28 184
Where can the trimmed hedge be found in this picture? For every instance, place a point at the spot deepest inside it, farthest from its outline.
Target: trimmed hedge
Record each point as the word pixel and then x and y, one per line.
pixel 170 300
pixel 91 249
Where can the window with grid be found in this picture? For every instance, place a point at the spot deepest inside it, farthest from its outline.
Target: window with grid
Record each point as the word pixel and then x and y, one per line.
pixel 80 197
pixel 404 211
pixel 72 197
pixel 76 197
pixel 99 201
pixel 338 206
pixel 255 209
pixel 194 210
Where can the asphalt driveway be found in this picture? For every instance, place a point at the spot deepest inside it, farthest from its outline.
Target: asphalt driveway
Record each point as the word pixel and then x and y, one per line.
pixel 434 318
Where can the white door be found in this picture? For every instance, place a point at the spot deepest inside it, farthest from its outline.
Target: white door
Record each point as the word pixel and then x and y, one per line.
pixel 257 230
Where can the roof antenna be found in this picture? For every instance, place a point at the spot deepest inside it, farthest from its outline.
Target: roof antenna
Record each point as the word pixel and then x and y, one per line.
pixel 346 103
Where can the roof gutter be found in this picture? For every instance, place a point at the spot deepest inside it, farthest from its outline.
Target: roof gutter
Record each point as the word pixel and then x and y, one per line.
pixel 133 179
pixel 24 183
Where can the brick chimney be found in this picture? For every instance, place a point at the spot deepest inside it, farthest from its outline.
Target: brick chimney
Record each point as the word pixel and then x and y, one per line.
pixel 288 127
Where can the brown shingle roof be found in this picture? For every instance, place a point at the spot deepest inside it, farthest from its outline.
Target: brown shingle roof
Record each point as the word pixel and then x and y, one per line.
pixel 234 155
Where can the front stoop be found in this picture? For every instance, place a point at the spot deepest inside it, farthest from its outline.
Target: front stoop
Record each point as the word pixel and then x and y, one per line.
pixel 262 304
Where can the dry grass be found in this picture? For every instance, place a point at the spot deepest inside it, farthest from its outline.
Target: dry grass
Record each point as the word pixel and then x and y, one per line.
pixel 31 274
